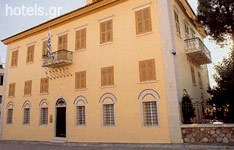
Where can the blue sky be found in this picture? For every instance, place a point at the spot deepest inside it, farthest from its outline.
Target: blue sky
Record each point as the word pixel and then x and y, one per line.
pixel 11 25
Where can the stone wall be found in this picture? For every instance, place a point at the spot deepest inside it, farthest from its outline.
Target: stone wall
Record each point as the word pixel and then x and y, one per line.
pixel 208 133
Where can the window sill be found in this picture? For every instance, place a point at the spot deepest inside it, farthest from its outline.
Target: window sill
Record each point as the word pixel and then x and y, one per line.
pixel 108 86
pixel 43 125
pixel 84 89
pixel 28 95
pixel 82 126
pixel 106 43
pixel 142 34
pixel 44 93
pixel 11 96
pixel 151 126
pixel 151 81
pixel 26 124
pixel 80 50
pixel 29 63
pixel 106 126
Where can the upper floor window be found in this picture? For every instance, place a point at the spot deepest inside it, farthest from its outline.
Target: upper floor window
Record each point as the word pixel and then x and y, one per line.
pixel 106 31
pixel 200 79
pixel 10 106
pixel 11 89
pixel 193 75
pixel 80 39
pixel 107 76
pixel 147 70
pixel 28 87
pixel 44 87
pixel 143 21
pixel 62 42
pixel 44 48
pixel 1 80
pixel 14 58
pixel 177 22
pixel 80 80
pixel 186 28
pixel 193 34
pixel 30 54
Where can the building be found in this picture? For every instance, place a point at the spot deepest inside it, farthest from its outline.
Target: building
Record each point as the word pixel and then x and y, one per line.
pixel 117 73
pixel 1 84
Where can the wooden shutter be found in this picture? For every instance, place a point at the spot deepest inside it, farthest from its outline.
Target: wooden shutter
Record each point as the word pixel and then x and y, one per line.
pixel 107 76
pixel 65 42
pixel 147 20
pixel 139 21
pixel 44 85
pixel 30 54
pixel 60 42
pixel 44 48
pixel 151 69
pixel 11 89
pixel 80 80
pixel 80 39
pixel 28 87
pixel 102 32
pixel 109 32
pixel 147 70
pixel 14 58
pixel 193 75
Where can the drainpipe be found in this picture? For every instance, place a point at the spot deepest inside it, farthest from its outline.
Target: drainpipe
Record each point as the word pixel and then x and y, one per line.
pixel 171 72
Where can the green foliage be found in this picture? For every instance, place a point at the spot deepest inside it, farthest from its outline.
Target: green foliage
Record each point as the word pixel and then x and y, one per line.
pixel 223 93
pixel 218 18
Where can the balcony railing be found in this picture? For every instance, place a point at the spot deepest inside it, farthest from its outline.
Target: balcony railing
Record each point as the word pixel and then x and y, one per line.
pixel 197 51
pixel 58 58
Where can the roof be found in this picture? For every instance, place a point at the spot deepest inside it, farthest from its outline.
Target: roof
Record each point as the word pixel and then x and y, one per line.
pixel 78 12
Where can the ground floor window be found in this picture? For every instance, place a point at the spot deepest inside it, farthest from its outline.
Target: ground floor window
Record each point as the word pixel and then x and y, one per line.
pixel 150 113
pixel 44 116
pixel 80 115
pixel 9 116
pixel 26 115
pixel 108 115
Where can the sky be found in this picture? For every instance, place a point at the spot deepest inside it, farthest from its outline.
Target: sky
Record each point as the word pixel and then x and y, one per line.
pixel 16 16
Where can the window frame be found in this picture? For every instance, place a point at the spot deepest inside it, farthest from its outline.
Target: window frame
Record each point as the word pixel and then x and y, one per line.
pixel 80 80
pixel 147 77
pixel 26 105
pixel 80 39
pixel 76 104
pixel 193 76
pixel 44 86
pixel 10 89
pixel 44 101
pixel 63 45
pixel 30 54
pixel 14 58
pixel 105 23
pixel 177 22
pixel 143 21
pixel 44 49
pixel 27 87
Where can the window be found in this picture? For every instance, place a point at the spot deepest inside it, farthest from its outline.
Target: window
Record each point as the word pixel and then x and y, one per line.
pixel 108 115
pixel 143 21
pixel 0 99
pixel 14 58
pixel 44 85
pixel 9 107
pixel 11 89
pixel 147 70
pixel 177 22
pixel 193 34
pixel 44 112
pixel 108 109
pixel 148 100
pixel 62 42
pixel 28 87
pixel 80 103
pixel 107 76
pixel 9 116
pixel 200 79
pixel 1 80
pixel 193 75
pixel 80 81
pixel 30 54
pixel 80 39
pixel 26 115
pixel 150 113
pixel 44 49
pixel 186 28
pixel 106 31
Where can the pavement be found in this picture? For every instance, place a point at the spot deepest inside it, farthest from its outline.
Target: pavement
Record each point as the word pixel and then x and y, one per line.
pixel 27 145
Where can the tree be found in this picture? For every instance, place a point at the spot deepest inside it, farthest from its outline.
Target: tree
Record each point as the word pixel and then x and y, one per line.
pixel 217 16
pixel 223 93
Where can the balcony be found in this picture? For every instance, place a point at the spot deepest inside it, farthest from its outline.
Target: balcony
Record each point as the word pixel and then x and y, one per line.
pixel 58 59
pixel 197 52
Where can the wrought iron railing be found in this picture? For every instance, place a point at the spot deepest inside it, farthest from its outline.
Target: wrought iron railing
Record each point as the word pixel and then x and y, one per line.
pixel 58 58
pixel 204 113
pixel 195 44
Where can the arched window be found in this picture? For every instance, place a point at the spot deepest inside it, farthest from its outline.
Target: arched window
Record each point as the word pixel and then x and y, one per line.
pixel 10 107
pixel 26 107
pixel 80 105
pixel 149 107
pixel 108 109
pixel 43 112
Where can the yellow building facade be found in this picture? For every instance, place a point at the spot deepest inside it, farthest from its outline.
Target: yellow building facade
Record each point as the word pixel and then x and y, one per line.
pixel 117 72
